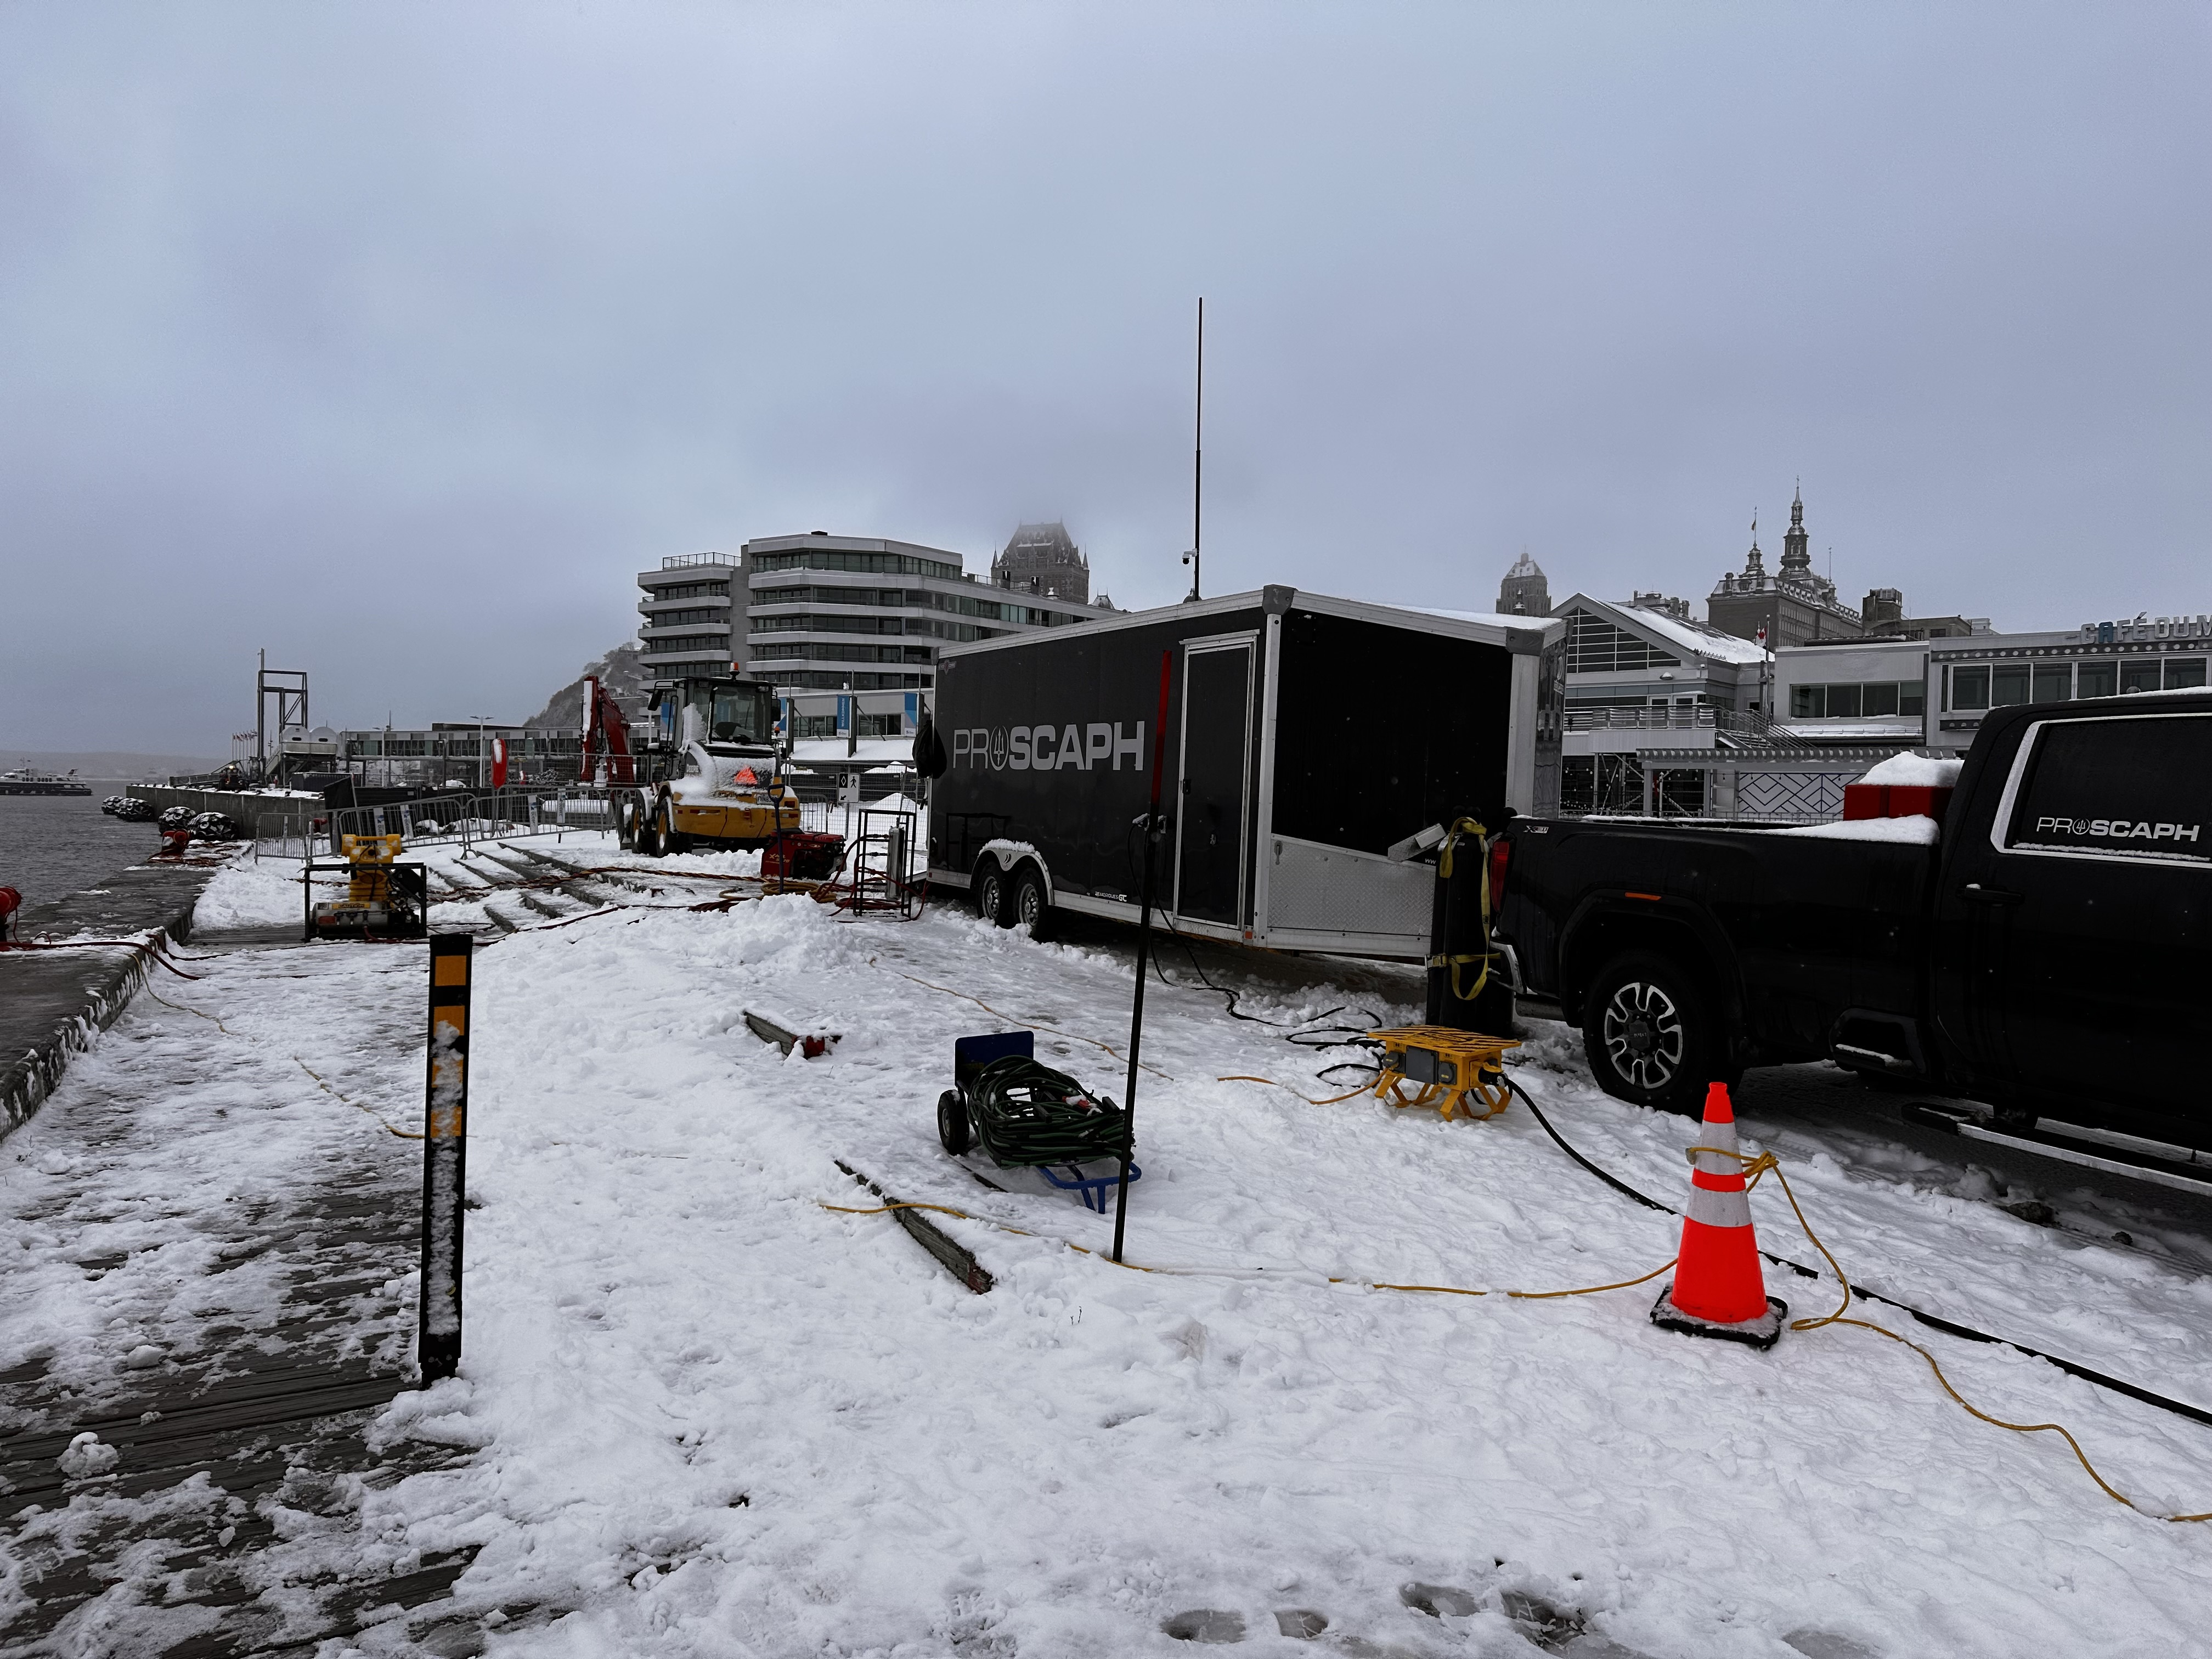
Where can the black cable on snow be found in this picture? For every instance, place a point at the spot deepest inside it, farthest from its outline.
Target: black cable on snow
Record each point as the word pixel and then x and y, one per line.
pixel 1934 1322
pixel 1618 1186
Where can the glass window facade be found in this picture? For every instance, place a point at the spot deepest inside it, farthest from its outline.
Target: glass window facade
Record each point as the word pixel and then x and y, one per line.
pixel 1970 687
pixel 1865 699
pixel 1596 647
pixel 884 564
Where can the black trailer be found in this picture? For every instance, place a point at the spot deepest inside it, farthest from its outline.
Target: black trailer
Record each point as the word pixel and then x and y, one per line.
pixel 1306 736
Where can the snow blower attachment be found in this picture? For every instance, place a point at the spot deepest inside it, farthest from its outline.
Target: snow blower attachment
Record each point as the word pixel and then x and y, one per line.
pixel 1026 1115
pixel 384 899
pixel 1719 1289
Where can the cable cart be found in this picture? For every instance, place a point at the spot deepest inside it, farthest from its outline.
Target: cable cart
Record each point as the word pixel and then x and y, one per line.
pixel 1026 1115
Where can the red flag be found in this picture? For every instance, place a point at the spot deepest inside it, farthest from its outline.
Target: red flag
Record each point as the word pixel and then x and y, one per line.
pixel 499 763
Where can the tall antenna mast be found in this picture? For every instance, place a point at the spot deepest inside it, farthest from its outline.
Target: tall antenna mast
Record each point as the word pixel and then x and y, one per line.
pixel 1197 462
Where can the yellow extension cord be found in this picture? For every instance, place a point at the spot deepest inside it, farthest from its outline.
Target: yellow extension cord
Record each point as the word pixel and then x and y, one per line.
pixel 1754 1167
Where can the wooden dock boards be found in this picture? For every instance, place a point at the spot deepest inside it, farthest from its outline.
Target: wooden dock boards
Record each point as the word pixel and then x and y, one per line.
pixel 268 1414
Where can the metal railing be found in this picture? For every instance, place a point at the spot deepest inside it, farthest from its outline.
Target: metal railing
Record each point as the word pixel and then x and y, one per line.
pixel 1664 717
pixel 504 815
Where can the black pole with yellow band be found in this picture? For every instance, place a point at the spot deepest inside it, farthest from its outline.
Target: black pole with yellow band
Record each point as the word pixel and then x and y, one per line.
pixel 445 1148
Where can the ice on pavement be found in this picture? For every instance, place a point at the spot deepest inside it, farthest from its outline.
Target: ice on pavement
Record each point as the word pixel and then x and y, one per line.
pixel 709 1415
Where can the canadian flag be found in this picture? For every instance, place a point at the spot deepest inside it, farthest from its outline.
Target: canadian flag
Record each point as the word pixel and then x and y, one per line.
pixel 499 763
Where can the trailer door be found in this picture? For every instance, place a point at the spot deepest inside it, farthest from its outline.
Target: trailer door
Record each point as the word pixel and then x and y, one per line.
pixel 1217 756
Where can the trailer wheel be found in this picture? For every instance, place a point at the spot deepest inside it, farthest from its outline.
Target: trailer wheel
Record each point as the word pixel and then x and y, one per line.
pixel 991 894
pixel 952 1132
pixel 1650 1036
pixel 1032 910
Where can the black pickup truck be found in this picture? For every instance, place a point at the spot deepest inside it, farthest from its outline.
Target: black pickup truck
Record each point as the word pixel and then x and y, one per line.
pixel 2049 954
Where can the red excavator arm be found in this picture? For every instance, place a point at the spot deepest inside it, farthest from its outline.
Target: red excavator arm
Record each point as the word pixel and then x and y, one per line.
pixel 606 735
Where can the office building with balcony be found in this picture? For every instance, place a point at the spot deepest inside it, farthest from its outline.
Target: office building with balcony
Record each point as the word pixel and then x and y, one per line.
pixel 691 616
pixel 847 627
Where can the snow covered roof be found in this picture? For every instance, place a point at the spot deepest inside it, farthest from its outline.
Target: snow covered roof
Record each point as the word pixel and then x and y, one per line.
pixel 1693 636
pixel 1491 619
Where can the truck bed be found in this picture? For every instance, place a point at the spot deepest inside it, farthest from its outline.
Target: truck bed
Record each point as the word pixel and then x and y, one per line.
pixel 1807 941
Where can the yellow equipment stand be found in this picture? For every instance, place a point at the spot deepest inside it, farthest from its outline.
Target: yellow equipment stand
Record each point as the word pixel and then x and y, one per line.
pixel 371 857
pixel 1451 1069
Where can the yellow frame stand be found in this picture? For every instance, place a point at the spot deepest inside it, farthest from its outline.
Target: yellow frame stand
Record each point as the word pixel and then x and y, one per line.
pixel 1451 1069
pixel 369 855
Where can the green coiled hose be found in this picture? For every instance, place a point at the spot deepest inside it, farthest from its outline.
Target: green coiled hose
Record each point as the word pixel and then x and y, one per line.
pixel 1026 1114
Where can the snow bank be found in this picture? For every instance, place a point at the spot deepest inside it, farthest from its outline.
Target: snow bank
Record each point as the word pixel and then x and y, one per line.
pixel 1922 770
pixel 1918 831
pixel 247 894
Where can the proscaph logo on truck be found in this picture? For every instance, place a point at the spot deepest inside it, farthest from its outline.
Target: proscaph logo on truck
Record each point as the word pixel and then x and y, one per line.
pixel 1049 748
pixel 2116 829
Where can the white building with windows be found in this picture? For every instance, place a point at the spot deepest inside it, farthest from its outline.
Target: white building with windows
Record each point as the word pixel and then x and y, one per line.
pixel 1641 677
pixel 1643 667
pixel 690 616
pixel 1933 693
pixel 847 627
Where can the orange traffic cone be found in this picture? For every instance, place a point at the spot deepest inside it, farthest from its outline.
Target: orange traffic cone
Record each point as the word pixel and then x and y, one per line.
pixel 1718 1288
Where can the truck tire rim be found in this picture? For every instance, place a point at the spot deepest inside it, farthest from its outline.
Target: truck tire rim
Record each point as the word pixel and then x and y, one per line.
pixel 1032 905
pixel 993 893
pixel 1644 1036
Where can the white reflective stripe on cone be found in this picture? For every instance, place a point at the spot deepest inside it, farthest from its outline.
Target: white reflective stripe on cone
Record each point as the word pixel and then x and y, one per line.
pixel 1719 1209
pixel 1721 1136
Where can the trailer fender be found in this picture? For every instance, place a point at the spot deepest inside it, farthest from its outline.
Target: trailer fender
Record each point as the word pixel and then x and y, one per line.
pixel 1013 856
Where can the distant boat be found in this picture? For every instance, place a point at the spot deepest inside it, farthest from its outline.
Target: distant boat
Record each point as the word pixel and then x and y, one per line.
pixel 29 781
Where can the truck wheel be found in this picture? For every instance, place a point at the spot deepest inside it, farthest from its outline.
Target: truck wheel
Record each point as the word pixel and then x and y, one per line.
pixel 991 894
pixel 1649 1036
pixel 1032 910
pixel 648 831
pixel 672 840
pixel 953 1122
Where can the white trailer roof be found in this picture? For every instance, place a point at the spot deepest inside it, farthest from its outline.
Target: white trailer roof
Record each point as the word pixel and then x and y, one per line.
pixel 1521 634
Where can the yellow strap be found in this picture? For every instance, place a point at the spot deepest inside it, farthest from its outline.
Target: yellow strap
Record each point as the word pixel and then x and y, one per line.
pixel 1468 827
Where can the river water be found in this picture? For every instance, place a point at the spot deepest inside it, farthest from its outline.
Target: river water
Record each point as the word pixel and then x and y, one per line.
pixel 51 846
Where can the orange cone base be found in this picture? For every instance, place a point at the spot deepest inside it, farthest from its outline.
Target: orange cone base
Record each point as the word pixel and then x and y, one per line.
pixel 1763 1332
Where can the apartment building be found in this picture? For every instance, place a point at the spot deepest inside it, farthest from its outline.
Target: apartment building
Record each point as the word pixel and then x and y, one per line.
pixel 847 627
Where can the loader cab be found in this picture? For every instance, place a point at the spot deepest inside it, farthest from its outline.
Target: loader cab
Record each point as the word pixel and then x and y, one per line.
pixel 728 716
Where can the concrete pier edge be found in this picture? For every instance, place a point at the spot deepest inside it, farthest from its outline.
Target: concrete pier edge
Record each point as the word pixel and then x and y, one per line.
pixel 54 1004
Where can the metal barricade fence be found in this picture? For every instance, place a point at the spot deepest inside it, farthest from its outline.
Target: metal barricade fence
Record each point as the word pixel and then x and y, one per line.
pixel 505 815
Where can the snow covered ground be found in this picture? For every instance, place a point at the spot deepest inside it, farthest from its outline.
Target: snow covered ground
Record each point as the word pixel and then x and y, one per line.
pixel 711 1416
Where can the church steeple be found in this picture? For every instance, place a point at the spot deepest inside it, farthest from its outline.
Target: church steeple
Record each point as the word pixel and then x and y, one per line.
pixel 1756 564
pixel 1797 561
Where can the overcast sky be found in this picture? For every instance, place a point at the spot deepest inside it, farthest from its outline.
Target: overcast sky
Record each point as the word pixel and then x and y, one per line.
pixel 396 338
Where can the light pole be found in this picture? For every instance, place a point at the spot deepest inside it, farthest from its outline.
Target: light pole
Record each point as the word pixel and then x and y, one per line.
pixel 484 770
pixel 1197 462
